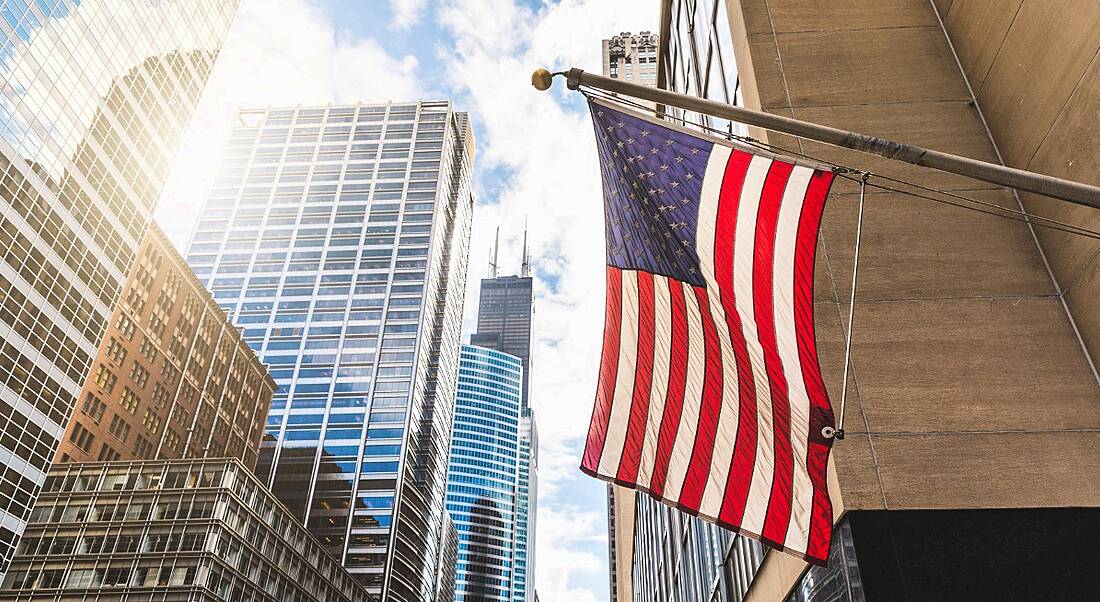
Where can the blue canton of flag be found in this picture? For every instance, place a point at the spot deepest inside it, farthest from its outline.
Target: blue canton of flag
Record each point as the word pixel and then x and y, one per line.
pixel 652 177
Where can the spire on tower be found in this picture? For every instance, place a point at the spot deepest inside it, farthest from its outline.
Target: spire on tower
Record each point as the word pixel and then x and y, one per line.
pixel 525 267
pixel 493 255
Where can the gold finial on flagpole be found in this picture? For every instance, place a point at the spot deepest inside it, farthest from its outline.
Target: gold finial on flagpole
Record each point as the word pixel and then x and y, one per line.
pixel 541 79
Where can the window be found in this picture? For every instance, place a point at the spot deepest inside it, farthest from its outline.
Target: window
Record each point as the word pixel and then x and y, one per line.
pixel 116 351
pixel 139 374
pixel 128 400
pixel 126 327
pixel 142 447
pixel 81 437
pixel 172 440
pixel 148 350
pixel 119 428
pixel 161 394
pixel 105 379
pixel 151 421
pixel 93 407
pixel 108 454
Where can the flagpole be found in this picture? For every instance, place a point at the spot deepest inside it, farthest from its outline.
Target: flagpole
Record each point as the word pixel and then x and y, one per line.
pixel 1066 190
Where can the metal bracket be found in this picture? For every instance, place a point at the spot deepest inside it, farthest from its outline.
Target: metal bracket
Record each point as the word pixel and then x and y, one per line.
pixel 573 78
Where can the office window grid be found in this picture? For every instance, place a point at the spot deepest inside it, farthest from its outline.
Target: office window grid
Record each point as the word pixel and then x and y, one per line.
pixel 95 104
pixel 197 530
pixel 182 365
pixel 327 237
pixel 699 59
pixel 484 475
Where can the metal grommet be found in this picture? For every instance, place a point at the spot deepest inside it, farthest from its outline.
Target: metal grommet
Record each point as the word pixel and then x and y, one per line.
pixel 828 432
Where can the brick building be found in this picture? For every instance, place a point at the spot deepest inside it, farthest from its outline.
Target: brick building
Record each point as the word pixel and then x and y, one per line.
pixel 172 377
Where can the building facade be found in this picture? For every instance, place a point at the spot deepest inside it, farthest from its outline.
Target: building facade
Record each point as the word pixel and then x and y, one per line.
pixel 945 442
pixel 337 239
pixel 674 556
pixel 97 96
pixel 527 508
pixel 195 530
pixel 172 378
pixel 631 57
pixel 504 319
pixel 483 496
pixel 448 560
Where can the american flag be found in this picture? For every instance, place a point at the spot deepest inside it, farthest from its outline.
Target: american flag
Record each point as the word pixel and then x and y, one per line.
pixel 710 396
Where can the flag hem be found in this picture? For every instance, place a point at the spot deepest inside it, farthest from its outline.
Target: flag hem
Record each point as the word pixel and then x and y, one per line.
pixel 822 562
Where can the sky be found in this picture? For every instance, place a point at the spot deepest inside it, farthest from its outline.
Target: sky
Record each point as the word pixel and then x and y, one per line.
pixel 535 164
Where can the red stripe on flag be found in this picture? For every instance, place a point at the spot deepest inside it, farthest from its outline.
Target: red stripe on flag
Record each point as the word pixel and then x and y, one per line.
pixel 779 502
pixel 677 379
pixel 643 382
pixel 609 364
pixel 821 411
pixel 744 451
pixel 710 407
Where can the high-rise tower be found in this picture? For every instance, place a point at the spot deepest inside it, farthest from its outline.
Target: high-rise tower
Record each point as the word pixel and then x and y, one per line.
pixel 505 311
pixel 337 238
pixel 484 476
pixel 96 98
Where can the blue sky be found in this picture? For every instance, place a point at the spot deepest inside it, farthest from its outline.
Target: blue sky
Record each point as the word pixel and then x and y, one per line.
pixel 535 162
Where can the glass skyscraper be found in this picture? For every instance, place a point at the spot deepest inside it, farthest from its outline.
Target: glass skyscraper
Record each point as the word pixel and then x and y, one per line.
pixel 96 97
pixel 527 504
pixel 505 312
pixel 337 238
pixel 483 485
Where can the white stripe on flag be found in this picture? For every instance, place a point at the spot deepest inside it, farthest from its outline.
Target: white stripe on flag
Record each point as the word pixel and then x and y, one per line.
pixel 786 337
pixel 662 354
pixel 624 380
pixel 725 435
pixel 693 395
pixel 743 261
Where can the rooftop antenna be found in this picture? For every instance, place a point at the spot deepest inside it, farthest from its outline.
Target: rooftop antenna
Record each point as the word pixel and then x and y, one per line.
pixel 525 267
pixel 493 258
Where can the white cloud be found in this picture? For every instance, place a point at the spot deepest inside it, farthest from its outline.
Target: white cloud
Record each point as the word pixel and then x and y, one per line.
pixel 548 154
pixel 406 13
pixel 278 52
pixel 567 536
pixel 541 160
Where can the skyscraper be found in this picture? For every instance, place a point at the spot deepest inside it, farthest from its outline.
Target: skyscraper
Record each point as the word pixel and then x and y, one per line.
pixel 337 238
pixel 483 481
pixel 172 376
pixel 504 314
pixel 97 96
pixel 527 506
pixel 504 318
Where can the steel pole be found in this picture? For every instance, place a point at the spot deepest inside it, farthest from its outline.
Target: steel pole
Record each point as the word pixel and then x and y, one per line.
pixel 1066 190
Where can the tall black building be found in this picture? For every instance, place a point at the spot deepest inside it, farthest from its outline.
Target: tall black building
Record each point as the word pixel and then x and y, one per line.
pixel 504 315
